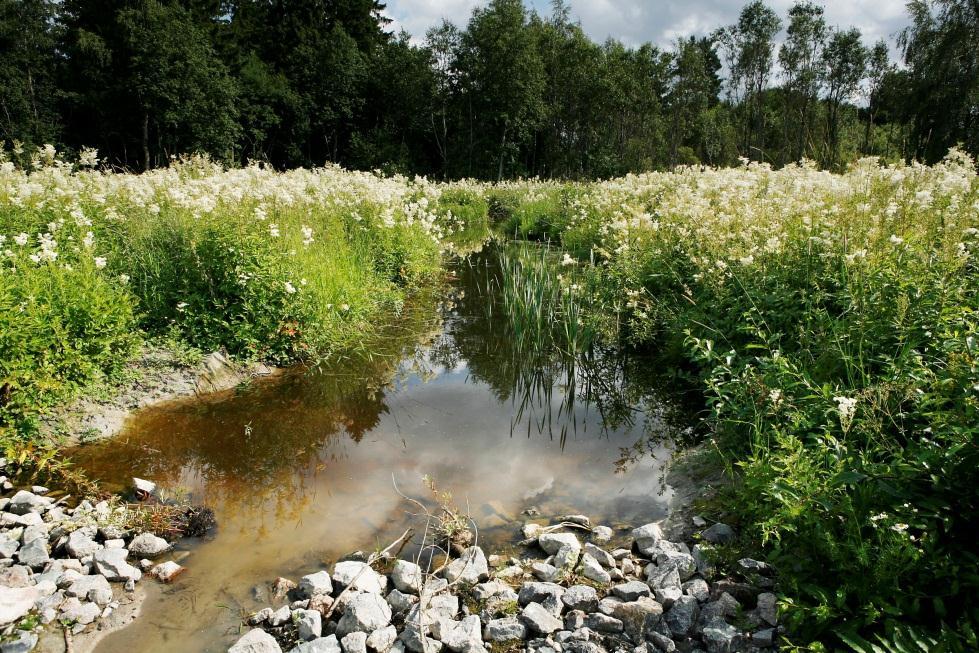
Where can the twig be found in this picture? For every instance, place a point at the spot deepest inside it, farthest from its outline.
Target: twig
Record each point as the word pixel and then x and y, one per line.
pixel 374 557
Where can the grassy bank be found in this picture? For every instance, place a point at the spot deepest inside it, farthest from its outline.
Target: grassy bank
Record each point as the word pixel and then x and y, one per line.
pixel 270 266
pixel 830 321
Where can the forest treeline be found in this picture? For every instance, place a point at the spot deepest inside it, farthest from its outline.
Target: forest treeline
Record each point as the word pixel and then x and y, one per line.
pixel 513 93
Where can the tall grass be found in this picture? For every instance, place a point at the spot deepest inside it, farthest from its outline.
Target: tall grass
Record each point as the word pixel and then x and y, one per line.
pixel 831 320
pixel 269 266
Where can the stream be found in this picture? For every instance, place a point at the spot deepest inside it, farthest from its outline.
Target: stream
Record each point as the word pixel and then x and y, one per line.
pixel 306 467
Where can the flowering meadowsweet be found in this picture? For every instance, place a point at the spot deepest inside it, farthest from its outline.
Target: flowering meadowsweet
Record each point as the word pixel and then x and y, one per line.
pixel 307 235
pixel 100 262
pixel 291 289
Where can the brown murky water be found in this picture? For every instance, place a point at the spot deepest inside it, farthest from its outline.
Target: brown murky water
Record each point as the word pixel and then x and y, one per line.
pixel 301 470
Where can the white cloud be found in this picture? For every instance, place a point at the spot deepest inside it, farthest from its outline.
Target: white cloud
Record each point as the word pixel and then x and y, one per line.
pixel 638 21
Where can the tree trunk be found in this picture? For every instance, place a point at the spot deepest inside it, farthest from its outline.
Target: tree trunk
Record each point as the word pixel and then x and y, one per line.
pixel 146 140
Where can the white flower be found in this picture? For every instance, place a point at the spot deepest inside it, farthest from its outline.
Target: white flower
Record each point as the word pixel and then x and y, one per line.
pixel 291 289
pixel 896 240
pixel 344 307
pixel 181 306
pixel 100 262
pixel 21 239
pixel 307 235
pixel 847 407
pixel 567 260
pixel 124 278
pixel 89 239
pixel 274 230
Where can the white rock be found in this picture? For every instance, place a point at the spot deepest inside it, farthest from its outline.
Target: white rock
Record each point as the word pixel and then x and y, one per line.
pixel 256 640
pixel 647 537
pixel 112 564
pixel 355 643
pixel 363 577
pixel 553 542
pixel 364 613
pixel 407 577
pixel 470 568
pixel 167 571
pixel 316 584
pixel 15 602
pixel 147 545
pixel 382 639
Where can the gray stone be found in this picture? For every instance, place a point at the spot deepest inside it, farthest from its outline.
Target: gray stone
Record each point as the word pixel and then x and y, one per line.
pixel 81 543
pixel 718 534
pixel 639 617
pixel 545 572
pixel 34 554
pixel 662 576
pixel 260 617
pixel 309 624
pixel 592 570
pixel 603 623
pixel 8 547
pixel 281 616
pixel 763 638
pixel 647 537
pixel 553 542
pixel 407 577
pixel 768 608
pixel 256 640
pixel 720 637
pixel 24 502
pixel 320 645
pixel 682 616
pixel 15 602
pixel 602 534
pixel 539 620
pixel 632 590
pixel 566 558
pixel 147 545
pixel 76 611
pixel 752 566
pixel 684 563
pixel 355 642
pixel 462 636
pixel 24 642
pixel 667 595
pixel 604 557
pixel 581 597
pixel 364 613
pixel 167 571
pixel 401 602
pixel 94 588
pixel 697 588
pixel 317 584
pixel 662 642
pixel 505 630
pixel 382 639
pixel 16 576
pixel 609 604
pixel 717 610
pixel 360 574
pixel 112 564
pixel 470 568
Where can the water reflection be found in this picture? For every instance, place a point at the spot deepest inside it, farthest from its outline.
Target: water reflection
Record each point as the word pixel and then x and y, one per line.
pixel 299 469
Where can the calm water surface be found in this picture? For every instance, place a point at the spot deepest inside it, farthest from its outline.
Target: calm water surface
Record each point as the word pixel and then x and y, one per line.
pixel 300 470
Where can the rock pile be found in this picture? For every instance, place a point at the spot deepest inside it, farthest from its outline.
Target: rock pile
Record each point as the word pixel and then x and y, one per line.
pixel 66 564
pixel 651 596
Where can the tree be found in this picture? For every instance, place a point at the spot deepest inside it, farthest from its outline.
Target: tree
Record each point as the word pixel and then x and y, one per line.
pixel 503 81
pixel 694 89
pixel 801 60
pixel 748 45
pixel 941 50
pixel 28 72
pixel 183 92
pixel 845 60
pixel 879 66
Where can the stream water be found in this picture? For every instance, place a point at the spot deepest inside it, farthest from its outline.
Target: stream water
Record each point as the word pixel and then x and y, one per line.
pixel 301 469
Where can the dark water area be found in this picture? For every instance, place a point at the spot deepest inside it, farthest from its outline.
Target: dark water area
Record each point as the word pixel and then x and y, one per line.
pixel 308 467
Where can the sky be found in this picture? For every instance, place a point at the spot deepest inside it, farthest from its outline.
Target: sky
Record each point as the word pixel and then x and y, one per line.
pixel 638 21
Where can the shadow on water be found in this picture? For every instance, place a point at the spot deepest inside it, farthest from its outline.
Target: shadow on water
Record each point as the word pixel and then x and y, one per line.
pixel 299 469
